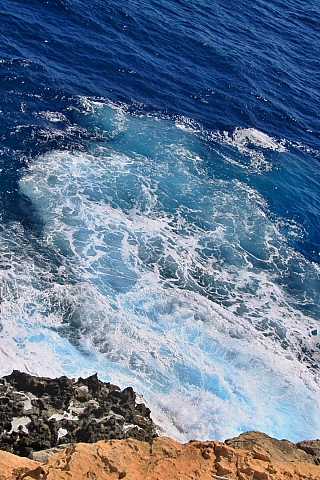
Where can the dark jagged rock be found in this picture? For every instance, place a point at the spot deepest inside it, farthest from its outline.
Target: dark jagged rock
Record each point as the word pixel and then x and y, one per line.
pixel 38 413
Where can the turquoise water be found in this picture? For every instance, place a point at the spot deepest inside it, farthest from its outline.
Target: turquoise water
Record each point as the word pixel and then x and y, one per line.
pixel 160 207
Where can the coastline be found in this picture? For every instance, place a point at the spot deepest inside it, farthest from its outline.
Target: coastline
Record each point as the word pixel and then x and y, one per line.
pixel 46 423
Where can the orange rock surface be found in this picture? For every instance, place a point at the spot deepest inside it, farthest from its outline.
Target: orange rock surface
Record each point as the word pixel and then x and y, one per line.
pixel 163 460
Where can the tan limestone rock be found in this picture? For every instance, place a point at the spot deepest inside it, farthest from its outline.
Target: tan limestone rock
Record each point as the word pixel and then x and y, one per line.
pixel 11 466
pixel 312 447
pixel 279 450
pixel 163 460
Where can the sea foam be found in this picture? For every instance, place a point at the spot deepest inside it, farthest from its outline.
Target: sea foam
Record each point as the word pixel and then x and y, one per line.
pixel 155 272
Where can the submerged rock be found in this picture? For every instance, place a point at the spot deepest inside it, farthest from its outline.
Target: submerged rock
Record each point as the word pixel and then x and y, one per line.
pixel 38 413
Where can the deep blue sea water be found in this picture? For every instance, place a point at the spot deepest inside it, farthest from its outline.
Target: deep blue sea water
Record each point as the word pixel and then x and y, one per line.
pixel 160 205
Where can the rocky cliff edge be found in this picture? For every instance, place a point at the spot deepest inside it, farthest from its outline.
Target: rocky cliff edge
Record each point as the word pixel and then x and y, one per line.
pixel 46 422
pixel 162 459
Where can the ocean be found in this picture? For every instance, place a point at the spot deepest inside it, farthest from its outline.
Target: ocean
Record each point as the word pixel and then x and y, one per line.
pixel 160 205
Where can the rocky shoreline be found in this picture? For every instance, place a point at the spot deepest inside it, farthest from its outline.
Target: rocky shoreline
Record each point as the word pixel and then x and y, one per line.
pixel 87 428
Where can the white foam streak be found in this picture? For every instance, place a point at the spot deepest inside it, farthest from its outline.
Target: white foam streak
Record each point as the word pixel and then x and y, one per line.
pixel 242 137
pixel 154 274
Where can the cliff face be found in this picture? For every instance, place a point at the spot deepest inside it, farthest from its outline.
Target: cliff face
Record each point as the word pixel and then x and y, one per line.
pixel 163 459
pixel 44 419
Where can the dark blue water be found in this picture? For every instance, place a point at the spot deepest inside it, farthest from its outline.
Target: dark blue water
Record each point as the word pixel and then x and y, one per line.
pixel 160 205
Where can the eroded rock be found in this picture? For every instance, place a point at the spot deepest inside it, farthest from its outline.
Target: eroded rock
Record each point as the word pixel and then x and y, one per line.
pixel 312 447
pixel 164 459
pixel 38 413
pixel 279 450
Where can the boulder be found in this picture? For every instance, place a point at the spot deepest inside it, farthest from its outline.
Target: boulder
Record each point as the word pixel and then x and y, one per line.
pixel 278 450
